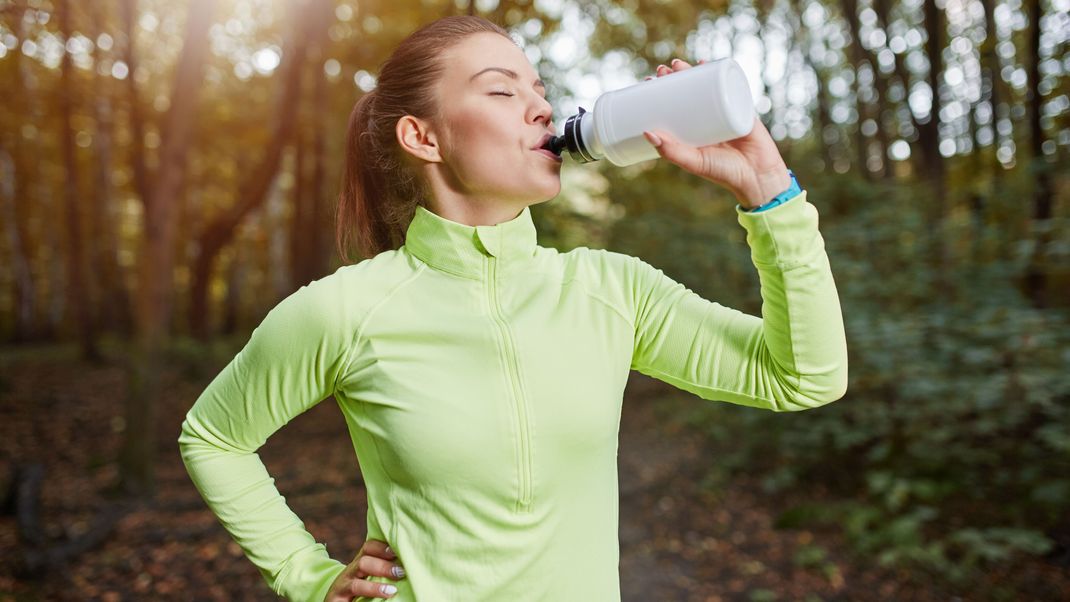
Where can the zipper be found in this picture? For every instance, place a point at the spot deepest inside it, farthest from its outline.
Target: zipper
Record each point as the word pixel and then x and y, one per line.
pixel 523 502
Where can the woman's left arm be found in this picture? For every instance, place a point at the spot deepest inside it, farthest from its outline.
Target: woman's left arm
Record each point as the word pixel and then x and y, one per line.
pixel 792 358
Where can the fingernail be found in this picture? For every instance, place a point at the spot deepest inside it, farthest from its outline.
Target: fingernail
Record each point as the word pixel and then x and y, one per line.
pixel 388 589
pixel 388 550
pixel 653 138
pixel 397 572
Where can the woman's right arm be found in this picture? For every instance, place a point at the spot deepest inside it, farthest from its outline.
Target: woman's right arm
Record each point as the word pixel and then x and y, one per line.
pixel 292 362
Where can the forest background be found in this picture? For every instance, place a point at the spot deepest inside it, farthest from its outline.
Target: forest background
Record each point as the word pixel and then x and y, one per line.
pixel 169 172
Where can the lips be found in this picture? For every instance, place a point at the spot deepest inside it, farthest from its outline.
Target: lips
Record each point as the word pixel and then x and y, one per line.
pixel 542 141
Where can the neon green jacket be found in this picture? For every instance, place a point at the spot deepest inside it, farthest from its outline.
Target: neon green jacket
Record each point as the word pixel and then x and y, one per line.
pixel 481 378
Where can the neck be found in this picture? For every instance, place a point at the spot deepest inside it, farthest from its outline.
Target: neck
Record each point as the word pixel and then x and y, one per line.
pixel 450 199
pixel 474 211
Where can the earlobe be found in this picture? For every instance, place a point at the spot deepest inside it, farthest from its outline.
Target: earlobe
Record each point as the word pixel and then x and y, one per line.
pixel 415 137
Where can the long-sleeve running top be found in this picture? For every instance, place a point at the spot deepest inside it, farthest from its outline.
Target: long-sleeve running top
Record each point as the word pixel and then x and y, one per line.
pixel 481 378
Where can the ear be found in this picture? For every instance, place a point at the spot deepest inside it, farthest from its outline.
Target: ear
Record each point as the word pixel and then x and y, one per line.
pixel 417 138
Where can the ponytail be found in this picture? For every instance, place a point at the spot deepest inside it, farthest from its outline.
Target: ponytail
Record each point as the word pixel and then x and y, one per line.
pixel 364 190
pixel 379 191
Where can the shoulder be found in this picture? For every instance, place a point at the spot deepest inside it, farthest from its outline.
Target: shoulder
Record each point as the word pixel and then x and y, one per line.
pixel 613 277
pixel 606 268
pixel 593 264
pixel 345 296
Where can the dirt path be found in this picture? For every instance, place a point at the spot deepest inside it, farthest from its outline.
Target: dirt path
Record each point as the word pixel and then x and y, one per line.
pixel 678 541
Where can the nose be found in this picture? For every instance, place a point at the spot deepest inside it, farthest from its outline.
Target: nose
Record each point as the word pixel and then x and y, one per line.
pixel 541 111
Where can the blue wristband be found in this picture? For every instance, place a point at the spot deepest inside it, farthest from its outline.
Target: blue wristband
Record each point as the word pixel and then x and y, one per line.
pixel 788 194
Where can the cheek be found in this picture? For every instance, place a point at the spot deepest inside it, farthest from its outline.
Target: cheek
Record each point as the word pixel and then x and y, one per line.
pixel 480 151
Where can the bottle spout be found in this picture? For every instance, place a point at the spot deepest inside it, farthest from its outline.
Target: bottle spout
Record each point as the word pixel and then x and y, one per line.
pixel 572 140
pixel 555 144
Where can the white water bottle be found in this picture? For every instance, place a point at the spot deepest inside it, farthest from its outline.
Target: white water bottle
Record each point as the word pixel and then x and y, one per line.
pixel 706 104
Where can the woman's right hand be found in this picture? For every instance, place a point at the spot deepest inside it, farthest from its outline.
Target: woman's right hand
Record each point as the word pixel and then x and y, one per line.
pixel 374 558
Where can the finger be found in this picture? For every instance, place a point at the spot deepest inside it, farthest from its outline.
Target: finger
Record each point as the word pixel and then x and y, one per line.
pixel 663 70
pixel 372 589
pixel 382 568
pixel 684 155
pixel 678 65
pixel 374 547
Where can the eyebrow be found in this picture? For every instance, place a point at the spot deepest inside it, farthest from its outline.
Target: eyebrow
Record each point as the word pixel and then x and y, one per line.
pixel 537 83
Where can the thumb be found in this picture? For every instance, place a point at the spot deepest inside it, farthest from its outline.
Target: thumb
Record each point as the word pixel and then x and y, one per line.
pixel 668 146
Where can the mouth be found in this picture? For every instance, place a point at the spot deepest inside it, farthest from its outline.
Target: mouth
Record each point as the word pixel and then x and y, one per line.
pixel 542 147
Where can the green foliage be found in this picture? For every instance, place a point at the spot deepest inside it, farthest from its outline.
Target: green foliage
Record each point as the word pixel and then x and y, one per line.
pixel 762 595
pixel 950 450
pixel 200 361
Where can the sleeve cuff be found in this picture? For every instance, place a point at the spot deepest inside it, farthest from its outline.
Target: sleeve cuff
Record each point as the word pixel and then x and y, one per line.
pixel 785 236
pixel 308 576
pixel 765 207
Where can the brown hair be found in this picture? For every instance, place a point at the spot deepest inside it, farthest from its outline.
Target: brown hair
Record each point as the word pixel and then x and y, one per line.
pixel 379 192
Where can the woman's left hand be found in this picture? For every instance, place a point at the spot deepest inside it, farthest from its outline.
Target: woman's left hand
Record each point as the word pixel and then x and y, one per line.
pixel 750 166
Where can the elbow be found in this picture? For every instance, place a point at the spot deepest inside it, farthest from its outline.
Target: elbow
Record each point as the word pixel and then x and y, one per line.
pixel 195 444
pixel 813 392
pixel 188 441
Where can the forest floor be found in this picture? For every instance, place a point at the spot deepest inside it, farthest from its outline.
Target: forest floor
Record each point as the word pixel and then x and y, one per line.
pixel 679 540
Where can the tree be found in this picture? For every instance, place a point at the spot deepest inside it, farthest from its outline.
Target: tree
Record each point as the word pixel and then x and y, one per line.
pixel 80 301
pixel 255 187
pixel 1036 277
pixel 138 454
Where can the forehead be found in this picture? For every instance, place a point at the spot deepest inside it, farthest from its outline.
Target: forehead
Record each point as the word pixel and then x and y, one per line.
pixel 485 49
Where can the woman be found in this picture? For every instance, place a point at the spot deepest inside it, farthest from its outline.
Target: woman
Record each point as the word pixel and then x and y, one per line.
pixel 481 375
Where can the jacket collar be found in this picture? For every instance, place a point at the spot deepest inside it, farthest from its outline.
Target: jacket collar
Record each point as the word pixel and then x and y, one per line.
pixel 462 249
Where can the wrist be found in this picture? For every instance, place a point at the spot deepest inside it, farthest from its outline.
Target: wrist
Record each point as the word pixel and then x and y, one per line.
pixel 784 192
pixel 770 184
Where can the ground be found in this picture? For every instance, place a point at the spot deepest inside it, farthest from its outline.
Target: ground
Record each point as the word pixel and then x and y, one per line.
pixel 680 540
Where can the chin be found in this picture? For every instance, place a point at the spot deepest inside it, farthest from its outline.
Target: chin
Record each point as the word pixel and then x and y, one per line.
pixel 550 192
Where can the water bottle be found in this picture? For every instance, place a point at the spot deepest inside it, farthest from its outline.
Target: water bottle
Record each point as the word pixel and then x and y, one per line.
pixel 706 104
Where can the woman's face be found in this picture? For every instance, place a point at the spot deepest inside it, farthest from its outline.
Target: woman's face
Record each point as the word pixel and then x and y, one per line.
pixel 493 116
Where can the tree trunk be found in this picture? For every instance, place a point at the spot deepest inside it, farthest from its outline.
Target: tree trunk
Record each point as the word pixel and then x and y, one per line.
pixel 137 122
pixel 929 132
pixel 137 458
pixel 20 267
pixel 321 215
pixel 235 273
pixel 929 141
pixel 254 190
pixel 992 81
pixel 113 306
pixel 77 296
pixel 16 182
pixel 858 59
pixel 299 218
pixel 976 195
pixel 823 118
pixel 882 104
pixel 1036 274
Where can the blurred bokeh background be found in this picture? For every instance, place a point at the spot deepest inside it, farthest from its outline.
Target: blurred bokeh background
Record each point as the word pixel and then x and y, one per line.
pixel 169 172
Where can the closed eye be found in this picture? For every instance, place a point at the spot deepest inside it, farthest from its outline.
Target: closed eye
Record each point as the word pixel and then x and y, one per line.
pixel 500 93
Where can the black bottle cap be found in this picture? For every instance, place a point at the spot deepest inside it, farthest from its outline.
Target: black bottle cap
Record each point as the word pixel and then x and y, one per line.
pixel 574 142
pixel 571 140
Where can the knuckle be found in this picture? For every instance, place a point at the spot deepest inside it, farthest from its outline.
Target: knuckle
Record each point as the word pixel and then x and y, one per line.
pixel 359 587
pixel 377 566
pixel 366 563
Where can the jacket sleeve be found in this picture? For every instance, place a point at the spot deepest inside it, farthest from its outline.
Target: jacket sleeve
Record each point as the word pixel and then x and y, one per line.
pixel 792 358
pixel 290 363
